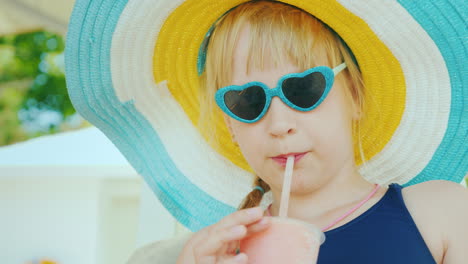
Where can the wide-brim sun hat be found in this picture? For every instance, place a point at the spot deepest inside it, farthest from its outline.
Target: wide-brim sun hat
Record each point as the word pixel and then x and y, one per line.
pixel 132 71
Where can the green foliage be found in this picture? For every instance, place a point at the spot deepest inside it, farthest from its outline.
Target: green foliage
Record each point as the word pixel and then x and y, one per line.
pixel 29 50
pixel 32 83
pixel 11 131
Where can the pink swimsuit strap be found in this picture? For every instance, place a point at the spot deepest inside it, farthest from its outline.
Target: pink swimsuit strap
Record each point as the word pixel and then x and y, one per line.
pixel 347 213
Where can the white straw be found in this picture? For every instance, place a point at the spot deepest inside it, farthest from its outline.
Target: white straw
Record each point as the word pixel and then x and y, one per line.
pixel 283 210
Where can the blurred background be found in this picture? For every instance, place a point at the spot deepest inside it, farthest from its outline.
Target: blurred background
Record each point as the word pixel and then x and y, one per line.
pixel 67 195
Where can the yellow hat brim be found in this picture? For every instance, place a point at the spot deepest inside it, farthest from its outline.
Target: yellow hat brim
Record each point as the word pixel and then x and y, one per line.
pixel 178 44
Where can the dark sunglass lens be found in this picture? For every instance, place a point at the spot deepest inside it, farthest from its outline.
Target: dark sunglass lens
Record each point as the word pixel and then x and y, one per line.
pixel 246 104
pixel 304 91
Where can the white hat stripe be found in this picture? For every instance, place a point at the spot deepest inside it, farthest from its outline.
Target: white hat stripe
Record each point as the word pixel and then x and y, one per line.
pixel 426 78
pixel 192 156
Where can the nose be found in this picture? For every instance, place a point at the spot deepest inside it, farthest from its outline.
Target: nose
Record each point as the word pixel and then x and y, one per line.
pixel 280 119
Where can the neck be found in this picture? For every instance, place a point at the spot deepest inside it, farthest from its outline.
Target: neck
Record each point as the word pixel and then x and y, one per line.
pixel 322 199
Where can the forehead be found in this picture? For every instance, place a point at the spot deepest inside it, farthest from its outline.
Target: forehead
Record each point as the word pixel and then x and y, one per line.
pixel 257 51
pixel 254 51
pixel 257 60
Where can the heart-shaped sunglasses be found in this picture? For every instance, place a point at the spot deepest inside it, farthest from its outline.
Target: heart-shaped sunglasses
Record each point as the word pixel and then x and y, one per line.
pixel 301 91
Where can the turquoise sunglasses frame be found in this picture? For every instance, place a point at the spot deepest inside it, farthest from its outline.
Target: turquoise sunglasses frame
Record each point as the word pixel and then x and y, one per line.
pixel 328 73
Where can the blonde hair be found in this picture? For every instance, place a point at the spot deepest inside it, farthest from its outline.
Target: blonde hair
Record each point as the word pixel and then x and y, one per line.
pixel 275 28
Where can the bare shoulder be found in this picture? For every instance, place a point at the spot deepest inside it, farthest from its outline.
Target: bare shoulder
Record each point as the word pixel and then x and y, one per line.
pixel 444 191
pixel 439 209
pixel 442 196
pixel 439 199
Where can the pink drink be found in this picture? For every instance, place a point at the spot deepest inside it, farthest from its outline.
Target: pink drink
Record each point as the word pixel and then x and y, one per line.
pixel 287 240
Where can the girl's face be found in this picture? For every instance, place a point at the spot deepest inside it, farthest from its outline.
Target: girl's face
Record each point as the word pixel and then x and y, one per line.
pixel 320 138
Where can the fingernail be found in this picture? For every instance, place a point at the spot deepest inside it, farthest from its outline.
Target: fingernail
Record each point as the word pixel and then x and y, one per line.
pixel 264 221
pixel 255 212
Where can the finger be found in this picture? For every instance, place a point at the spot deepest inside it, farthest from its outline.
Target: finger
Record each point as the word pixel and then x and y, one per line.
pixel 232 247
pixel 230 228
pixel 258 226
pixel 219 238
pixel 240 258
pixel 241 217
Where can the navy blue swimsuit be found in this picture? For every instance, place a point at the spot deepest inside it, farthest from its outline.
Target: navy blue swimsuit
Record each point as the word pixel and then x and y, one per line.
pixel 384 234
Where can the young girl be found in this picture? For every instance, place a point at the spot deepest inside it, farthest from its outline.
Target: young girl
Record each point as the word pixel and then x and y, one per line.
pixel 285 84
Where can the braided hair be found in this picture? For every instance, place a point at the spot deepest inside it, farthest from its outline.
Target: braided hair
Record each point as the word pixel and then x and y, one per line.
pixel 254 198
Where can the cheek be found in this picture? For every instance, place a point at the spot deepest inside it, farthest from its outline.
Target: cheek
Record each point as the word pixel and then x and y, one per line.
pixel 329 126
pixel 251 142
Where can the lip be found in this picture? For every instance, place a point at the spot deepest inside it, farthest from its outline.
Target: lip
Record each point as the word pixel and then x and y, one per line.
pixel 281 159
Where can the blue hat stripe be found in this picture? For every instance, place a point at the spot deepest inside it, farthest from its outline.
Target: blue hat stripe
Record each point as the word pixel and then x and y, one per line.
pixel 94 89
pixel 89 79
pixel 449 34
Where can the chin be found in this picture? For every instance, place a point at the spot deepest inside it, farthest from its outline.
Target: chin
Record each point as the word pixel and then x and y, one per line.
pixel 301 187
pixel 305 182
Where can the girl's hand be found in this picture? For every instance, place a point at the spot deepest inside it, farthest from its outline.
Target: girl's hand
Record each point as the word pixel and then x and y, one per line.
pixel 216 244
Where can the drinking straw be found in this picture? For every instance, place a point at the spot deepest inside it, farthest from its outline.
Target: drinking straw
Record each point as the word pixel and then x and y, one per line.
pixel 283 210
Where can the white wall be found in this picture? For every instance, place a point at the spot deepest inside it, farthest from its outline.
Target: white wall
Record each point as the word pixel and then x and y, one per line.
pixel 155 222
pixel 80 218
pixel 117 221
pixel 48 217
pixel 73 198
pixel 72 220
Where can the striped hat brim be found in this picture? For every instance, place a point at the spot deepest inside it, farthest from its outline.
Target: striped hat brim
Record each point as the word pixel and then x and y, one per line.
pixel 131 70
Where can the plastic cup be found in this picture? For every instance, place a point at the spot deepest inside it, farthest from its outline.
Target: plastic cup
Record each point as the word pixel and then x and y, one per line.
pixel 286 240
